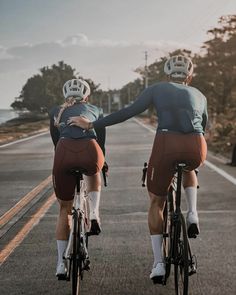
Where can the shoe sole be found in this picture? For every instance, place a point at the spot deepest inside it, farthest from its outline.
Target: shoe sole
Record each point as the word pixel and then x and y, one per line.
pixel 95 228
pixel 193 231
pixel 158 280
pixel 61 277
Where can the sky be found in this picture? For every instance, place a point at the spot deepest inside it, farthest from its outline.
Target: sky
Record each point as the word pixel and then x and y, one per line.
pixel 104 40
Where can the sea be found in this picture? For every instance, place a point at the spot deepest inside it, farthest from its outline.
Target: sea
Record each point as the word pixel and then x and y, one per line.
pixel 6 115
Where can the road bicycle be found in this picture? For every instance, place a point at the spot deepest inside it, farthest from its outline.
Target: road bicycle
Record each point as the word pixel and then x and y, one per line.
pixel 76 255
pixel 176 245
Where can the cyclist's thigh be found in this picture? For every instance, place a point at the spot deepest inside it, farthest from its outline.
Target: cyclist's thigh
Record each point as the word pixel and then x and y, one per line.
pixel 63 182
pixel 160 168
pixel 94 158
pixel 194 150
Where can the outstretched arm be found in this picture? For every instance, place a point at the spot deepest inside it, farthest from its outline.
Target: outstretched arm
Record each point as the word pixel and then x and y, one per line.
pixel 143 101
pixel 101 134
pixel 204 117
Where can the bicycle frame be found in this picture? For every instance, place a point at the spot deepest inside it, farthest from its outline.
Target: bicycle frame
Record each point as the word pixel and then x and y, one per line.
pixel 80 211
pixel 179 249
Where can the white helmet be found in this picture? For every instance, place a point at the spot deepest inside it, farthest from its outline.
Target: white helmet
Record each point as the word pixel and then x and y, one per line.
pixel 178 66
pixel 77 88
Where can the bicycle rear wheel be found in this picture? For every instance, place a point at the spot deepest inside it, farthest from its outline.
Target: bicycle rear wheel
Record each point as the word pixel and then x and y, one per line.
pixel 181 257
pixel 167 233
pixel 76 261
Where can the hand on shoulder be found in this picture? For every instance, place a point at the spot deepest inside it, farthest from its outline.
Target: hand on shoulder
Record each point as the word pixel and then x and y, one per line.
pixel 79 121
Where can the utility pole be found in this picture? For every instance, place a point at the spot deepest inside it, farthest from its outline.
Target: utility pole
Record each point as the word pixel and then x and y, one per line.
pixel 109 101
pixel 146 69
pixel 109 96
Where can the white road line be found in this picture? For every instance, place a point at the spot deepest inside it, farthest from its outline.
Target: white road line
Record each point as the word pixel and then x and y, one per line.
pixel 23 139
pixel 207 163
pixel 221 172
pixel 22 234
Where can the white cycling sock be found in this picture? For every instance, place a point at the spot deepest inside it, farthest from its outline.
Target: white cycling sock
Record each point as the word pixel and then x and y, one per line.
pixel 157 241
pixel 191 198
pixel 94 201
pixel 61 247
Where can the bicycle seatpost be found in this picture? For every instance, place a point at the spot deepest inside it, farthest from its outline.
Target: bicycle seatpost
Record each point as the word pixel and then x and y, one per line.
pixel 144 174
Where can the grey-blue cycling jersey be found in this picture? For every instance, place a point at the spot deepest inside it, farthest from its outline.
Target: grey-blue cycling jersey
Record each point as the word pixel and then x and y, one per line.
pixel 180 108
pixel 65 130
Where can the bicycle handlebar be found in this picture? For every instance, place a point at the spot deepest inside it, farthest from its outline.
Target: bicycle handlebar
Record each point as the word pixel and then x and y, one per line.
pixel 144 174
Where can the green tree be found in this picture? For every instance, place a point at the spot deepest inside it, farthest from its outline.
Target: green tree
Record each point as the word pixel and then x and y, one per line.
pixel 54 78
pixel 216 69
pixel 44 90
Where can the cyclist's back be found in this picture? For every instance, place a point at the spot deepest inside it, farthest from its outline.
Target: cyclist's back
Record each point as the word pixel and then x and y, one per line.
pixel 65 130
pixel 179 107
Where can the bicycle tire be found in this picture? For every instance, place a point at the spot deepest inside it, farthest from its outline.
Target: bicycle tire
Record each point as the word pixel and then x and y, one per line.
pixel 181 257
pixel 76 263
pixel 167 237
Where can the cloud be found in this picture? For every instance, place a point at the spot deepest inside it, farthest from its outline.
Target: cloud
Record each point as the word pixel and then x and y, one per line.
pixel 82 41
pixel 4 54
pixel 110 63
pixel 79 49
pixel 75 40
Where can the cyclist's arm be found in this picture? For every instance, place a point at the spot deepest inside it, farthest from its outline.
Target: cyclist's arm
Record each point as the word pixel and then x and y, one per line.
pixel 204 117
pixel 54 132
pixel 101 135
pixel 140 105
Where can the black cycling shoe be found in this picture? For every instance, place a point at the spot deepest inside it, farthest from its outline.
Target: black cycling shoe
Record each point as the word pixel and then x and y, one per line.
pixel 192 224
pixel 95 228
pixel 158 280
pixel 193 231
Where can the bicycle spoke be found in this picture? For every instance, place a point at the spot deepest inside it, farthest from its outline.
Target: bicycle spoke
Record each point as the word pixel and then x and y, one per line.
pixel 181 259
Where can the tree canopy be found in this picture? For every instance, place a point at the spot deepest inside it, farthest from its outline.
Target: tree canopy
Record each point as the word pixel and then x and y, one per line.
pixel 44 90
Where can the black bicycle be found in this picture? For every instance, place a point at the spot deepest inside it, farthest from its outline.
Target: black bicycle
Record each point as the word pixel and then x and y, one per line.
pixel 176 246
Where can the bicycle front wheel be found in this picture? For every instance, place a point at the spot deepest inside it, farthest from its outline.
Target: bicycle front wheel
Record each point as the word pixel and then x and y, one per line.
pixel 76 263
pixel 181 257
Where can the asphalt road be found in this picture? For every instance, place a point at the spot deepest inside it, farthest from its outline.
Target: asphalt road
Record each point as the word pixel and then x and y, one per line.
pixel 121 256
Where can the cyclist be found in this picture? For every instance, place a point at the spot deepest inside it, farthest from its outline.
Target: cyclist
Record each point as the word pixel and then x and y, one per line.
pixel 75 147
pixel 182 117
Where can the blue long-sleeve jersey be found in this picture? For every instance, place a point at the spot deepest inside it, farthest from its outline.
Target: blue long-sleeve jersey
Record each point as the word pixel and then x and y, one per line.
pixel 65 130
pixel 179 108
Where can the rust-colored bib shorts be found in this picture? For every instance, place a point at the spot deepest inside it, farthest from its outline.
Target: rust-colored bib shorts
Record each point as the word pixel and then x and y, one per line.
pixel 168 149
pixel 73 153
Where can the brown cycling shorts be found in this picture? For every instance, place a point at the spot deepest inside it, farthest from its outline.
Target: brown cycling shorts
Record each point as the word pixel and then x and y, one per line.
pixel 72 153
pixel 168 149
